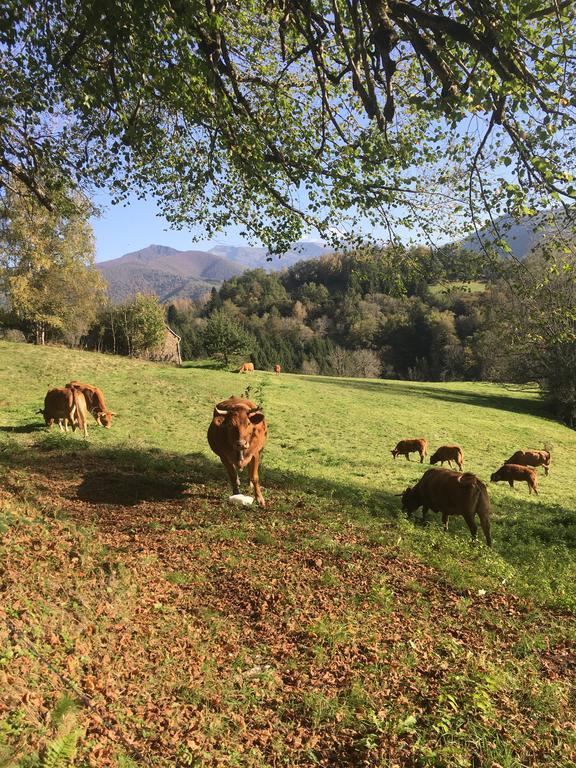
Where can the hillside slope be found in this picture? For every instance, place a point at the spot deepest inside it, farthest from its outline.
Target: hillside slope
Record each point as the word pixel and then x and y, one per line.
pixel 147 622
pixel 166 272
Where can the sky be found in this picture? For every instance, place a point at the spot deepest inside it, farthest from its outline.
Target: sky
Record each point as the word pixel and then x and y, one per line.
pixel 129 227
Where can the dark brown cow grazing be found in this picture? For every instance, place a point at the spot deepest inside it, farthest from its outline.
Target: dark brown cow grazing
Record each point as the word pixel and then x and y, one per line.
pixel 414 445
pixel 277 368
pixel 531 459
pixel 237 435
pixel 68 405
pixel 451 493
pixel 448 453
pixel 511 472
pixel 94 402
pixel 246 368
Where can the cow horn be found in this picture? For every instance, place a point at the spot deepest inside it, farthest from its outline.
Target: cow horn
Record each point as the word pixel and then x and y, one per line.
pixel 219 412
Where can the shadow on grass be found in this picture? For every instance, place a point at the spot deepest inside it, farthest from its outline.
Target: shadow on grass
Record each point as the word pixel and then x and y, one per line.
pixel 527 406
pixel 22 429
pixel 125 477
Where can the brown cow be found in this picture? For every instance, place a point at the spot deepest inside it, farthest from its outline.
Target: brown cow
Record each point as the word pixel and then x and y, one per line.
pixel 413 445
pixel 277 369
pixel 246 368
pixel 531 459
pixel 448 453
pixel 68 405
pixel 451 493
pixel 511 472
pixel 237 435
pixel 95 402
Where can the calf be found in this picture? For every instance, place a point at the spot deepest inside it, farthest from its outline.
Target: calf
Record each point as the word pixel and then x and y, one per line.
pixel 277 369
pixel 448 453
pixel 531 459
pixel 246 368
pixel 414 445
pixel 451 493
pixel 68 405
pixel 511 472
pixel 237 435
pixel 94 402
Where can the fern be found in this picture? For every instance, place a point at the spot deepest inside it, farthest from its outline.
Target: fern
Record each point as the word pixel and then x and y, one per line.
pixel 61 752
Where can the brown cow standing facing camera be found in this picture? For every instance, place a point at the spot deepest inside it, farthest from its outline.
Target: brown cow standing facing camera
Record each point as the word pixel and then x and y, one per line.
pixel 237 435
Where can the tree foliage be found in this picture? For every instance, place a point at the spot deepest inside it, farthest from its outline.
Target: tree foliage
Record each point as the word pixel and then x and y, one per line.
pixel 47 266
pixel 131 328
pixel 283 114
pixel 225 338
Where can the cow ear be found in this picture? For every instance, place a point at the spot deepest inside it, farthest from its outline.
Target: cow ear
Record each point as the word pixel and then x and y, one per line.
pixel 218 420
pixel 256 418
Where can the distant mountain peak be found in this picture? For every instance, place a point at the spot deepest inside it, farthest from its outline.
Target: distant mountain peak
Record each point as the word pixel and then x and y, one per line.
pixel 170 273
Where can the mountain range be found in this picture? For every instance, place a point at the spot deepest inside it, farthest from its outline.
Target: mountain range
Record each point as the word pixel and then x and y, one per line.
pixel 169 273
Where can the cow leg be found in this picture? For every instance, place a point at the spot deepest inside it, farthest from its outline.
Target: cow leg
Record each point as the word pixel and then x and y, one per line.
pixel 460 466
pixel 421 458
pixel 424 513
pixel 470 522
pixel 445 521
pixel 233 475
pixel 485 523
pixel 545 470
pixel 255 480
pixel 450 463
pixel 511 483
pixel 407 456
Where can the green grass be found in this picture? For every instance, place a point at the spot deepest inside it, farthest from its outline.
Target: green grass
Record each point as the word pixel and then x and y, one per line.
pixel 326 630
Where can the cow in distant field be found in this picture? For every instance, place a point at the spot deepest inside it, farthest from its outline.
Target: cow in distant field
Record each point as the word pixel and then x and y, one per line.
pixel 531 459
pixel 448 453
pixel 237 434
pixel 451 493
pixel 277 369
pixel 94 402
pixel 246 368
pixel 414 445
pixel 67 405
pixel 511 472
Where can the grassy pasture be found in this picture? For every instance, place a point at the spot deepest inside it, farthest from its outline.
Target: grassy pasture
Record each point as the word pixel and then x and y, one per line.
pixel 147 622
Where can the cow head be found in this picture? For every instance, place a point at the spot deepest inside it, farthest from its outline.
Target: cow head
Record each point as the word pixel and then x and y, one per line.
pixel 434 459
pixel 239 425
pixel 394 452
pixel 495 476
pixel 411 500
pixel 104 418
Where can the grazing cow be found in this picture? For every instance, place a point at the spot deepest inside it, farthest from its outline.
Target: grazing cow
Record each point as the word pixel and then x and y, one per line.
pixel 451 493
pixel 414 445
pixel 448 453
pixel 237 435
pixel 277 369
pixel 68 405
pixel 246 368
pixel 95 402
pixel 511 472
pixel 531 459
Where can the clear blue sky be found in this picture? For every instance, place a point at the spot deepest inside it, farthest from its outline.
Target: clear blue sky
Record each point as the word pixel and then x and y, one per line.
pixel 124 228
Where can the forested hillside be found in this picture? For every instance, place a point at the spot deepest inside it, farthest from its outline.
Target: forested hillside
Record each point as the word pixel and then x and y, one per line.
pixel 401 314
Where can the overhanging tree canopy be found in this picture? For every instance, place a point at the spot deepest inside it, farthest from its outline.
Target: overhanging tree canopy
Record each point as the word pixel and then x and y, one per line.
pixel 283 114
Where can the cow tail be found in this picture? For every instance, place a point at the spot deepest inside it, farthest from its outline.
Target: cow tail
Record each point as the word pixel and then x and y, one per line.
pixel 80 415
pixel 482 509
